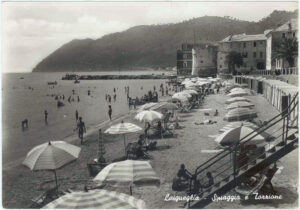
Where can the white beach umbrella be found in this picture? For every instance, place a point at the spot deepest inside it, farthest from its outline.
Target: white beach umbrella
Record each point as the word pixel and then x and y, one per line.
pixel 202 83
pixel 239 104
pixel 51 156
pixel 123 128
pixel 96 199
pixel 238 93
pixel 165 105
pixel 146 106
pixel 148 116
pixel 238 124
pixel 234 135
pixel 240 114
pixel 181 95
pixel 128 172
pixel 237 89
pixel 236 99
pixel 191 92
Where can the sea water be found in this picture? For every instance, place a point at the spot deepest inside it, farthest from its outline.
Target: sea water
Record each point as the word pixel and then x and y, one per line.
pixel 27 96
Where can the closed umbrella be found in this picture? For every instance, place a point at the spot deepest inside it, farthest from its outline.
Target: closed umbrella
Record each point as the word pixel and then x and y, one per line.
pixel 239 104
pixel 96 199
pixel 235 135
pixel 148 116
pixel 238 124
pixel 123 128
pixel 51 156
pixel 128 172
pixel 236 99
pixel 240 114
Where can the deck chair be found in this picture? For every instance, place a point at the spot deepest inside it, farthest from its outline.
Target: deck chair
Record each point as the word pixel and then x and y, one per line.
pixel 44 198
pixel 95 168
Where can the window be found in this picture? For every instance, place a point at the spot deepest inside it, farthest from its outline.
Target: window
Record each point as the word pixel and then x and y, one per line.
pixel 244 44
pixel 261 54
pixel 254 44
pixel 254 54
pixel 283 35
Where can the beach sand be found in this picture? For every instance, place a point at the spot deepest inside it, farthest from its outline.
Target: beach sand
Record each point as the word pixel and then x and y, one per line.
pixel 20 185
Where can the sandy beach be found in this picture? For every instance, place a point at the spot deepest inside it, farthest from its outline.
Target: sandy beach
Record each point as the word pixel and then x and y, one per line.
pixel 185 148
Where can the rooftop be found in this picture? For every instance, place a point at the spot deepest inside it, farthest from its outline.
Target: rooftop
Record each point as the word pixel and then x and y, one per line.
pixel 244 37
pixel 290 25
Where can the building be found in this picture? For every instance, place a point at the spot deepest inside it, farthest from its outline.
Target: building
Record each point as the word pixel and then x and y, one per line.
pixel 288 30
pixel 251 47
pixel 204 60
pixel 184 59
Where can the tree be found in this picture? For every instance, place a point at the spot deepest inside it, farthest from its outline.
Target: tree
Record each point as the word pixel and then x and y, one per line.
pixel 287 49
pixel 234 59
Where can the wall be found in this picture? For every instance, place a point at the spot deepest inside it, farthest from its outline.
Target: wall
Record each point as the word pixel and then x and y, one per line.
pixel 204 60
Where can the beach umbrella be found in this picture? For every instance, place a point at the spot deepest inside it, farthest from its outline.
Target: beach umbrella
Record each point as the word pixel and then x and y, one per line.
pixel 182 96
pixel 237 89
pixel 146 106
pixel 165 105
pixel 123 128
pixel 191 92
pixel 235 135
pixel 96 199
pixel 51 156
pixel 148 116
pixel 238 124
pixel 238 93
pixel 244 85
pixel 239 104
pixel 128 173
pixel 240 114
pixel 236 99
pixel 202 83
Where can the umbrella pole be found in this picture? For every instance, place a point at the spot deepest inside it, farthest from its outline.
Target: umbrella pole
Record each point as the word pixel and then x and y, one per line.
pixel 124 144
pixel 56 180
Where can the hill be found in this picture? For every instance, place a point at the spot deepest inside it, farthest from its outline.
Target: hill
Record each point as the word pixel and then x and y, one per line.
pixel 150 45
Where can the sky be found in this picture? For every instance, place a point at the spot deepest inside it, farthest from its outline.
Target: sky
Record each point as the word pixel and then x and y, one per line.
pixel 33 30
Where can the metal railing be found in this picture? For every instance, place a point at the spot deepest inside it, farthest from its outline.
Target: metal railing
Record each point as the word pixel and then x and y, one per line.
pixel 225 164
pixel 276 72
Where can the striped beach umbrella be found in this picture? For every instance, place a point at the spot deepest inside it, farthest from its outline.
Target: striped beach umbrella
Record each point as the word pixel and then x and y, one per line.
pixel 238 93
pixel 236 99
pixel 123 128
pixel 239 104
pixel 234 135
pixel 238 124
pixel 51 156
pixel 128 173
pixel 96 199
pixel 148 116
pixel 239 114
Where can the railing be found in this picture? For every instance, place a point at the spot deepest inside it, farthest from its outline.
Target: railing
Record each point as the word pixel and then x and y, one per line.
pixel 277 72
pixel 225 164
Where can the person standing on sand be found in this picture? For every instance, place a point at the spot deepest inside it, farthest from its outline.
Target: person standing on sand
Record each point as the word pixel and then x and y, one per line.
pixel 81 129
pixel 76 115
pixel 46 117
pixel 109 111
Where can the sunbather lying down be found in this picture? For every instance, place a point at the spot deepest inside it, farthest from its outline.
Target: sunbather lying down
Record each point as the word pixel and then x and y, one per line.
pixel 206 122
